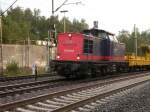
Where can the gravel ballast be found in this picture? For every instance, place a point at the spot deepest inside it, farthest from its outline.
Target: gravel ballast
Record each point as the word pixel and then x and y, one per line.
pixel 136 99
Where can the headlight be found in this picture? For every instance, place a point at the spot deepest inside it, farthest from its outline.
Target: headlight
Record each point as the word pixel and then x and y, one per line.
pixel 78 57
pixel 58 57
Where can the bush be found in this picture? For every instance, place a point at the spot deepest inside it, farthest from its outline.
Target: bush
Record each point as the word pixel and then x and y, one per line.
pixel 12 68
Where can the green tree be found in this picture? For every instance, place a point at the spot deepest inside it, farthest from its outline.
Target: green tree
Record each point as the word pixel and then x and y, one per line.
pixel 15 27
pixel 19 24
pixel 129 39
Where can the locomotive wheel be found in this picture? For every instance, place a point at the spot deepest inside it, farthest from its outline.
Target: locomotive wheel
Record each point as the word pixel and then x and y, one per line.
pixel 104 71
pixel 83 72
pixel 95 72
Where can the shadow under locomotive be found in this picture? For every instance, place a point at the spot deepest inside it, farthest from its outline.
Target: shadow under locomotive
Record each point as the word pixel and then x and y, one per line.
pixel 71 69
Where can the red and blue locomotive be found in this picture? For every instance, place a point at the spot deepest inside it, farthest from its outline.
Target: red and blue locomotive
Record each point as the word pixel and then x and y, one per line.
pixel 89 53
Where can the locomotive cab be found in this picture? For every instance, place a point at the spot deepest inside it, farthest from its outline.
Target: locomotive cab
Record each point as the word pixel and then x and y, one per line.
pixel 106 45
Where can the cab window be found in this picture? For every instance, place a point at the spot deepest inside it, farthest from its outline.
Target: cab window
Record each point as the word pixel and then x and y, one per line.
pixel 88 46
pixel 113 38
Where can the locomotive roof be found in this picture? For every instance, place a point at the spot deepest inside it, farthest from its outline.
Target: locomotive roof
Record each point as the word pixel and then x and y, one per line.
pixel 95 31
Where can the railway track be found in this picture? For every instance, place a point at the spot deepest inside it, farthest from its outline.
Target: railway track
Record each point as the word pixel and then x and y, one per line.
pixel 13 92
pixel 28 86
pixel 26 79
pixel 3 79
pixel 22 88
pixel 76 98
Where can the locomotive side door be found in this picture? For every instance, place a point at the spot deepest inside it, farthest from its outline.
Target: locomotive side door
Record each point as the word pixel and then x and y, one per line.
pixel 88 49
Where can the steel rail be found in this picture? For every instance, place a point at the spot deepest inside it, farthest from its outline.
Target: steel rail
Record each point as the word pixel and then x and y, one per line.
pixel 36 86
pixel 27 84
pixel 4 79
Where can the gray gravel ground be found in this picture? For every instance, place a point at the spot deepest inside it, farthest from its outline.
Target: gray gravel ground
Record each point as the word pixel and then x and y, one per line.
pixel 133 100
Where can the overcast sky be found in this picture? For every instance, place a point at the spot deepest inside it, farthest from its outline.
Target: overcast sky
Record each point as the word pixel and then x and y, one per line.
pixel 113 15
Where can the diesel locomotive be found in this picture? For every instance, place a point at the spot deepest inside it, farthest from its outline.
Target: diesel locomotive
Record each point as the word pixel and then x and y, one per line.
pixel 91 53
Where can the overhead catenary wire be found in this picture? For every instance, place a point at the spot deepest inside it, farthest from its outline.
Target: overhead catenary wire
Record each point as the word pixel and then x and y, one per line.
pixel 61 5
pixel 9 7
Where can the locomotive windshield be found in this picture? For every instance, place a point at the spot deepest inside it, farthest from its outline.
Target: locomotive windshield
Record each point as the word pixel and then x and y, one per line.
pixel 92 32
pixel 103 35
pixel 113 38
pixel 100 34
pixel 97 33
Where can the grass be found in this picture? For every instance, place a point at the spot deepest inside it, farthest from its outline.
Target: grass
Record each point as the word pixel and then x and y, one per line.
pixel 13 70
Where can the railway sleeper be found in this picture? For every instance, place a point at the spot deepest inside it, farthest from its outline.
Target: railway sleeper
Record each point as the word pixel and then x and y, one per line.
pixel 55 103
pixel 36 108
pixel 23 110
pixel 48 105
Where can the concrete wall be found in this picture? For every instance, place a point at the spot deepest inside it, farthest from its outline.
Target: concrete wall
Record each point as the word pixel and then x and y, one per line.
pixel 26 55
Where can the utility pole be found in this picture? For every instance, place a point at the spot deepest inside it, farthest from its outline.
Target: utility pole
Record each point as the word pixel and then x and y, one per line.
pixel 52 7
pixel 48 47
pixel 28 51
pixel 53 13
pixel 48 40
pixel 64 11
pixel 1 46
pixel 135 40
